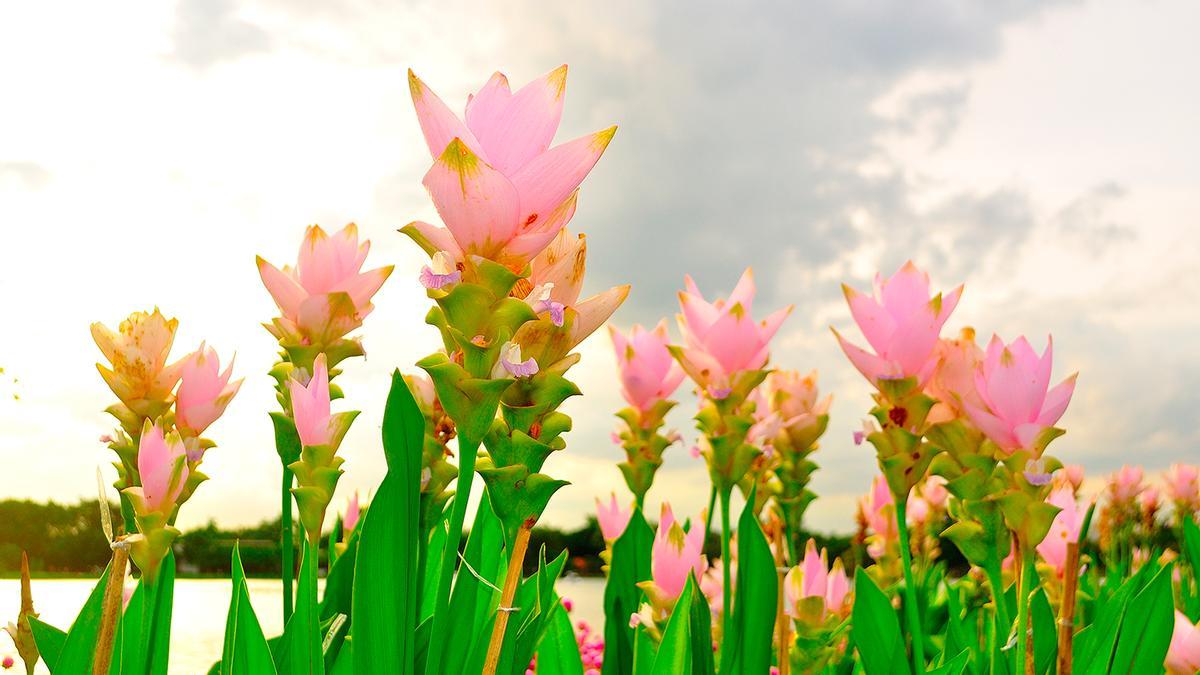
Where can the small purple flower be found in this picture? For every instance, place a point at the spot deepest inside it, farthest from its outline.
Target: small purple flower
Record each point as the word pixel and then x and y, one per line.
pixel 539 299
pixel 441 274
pixel 510 363
pixel 719 393
pixel 1036 474
pixel 859 437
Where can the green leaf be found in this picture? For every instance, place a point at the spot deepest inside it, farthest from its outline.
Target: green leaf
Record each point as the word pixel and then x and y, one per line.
pixel 747 647
pixel 472 602
pixel 339 582
pixel 386 596
pixel 78 647
pixel 558 651
pixel 287 441
pixel 300 648
pixel 954 666
pixel 49 641
pixel 1146 632
pixel 644 652
pixel 630 564
pixel 875 629
pixel 245 650
pixel 677 654
pixel 1045 632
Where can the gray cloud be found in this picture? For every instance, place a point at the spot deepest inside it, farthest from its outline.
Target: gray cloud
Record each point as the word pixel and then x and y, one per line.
pixel 208 32
pixel 1085 220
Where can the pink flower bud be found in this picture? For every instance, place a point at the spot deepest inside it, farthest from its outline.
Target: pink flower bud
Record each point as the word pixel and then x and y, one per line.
pixel 676 554
pixel 612 518
pixel 204 391
pixel 310 406
pixel 648 372
pixel 162 467
pixel 1183 656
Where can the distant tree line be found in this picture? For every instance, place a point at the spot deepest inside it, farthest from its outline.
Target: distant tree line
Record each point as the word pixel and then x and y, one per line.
pixel 67 539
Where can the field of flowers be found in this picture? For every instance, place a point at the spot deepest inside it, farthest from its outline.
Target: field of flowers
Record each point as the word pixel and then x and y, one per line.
pixel 962 436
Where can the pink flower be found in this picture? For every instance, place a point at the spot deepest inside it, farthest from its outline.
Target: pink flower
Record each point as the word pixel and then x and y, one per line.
pixel 204 391
pixel 953 382
pixel 811 579
pixel 1014 387
pixel 1126 484
pixel 1073 475
pixel 350 520
pixel 326 295
pixel 934 491
pixel 917 511
pixel 901 323
pixel 676 554
pixel 712 585
pixel 555 282
pixel 499 187
pixel 879 510
pixel 648 372
pixel 1183 484
pixel 612 518
pixel 310 406
pixel 1064 530
pixel 1183 656
pixel 422 390
pixel 137 352
pixel 162 465
pixel 721 338
pixel 7 663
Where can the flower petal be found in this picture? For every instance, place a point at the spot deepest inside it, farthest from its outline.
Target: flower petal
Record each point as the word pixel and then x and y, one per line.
pixel 548 179
pixel 477 203
pixel 515 128
pixel 438 123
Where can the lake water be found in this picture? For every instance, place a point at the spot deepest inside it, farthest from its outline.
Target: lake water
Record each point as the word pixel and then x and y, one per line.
pixel 198 620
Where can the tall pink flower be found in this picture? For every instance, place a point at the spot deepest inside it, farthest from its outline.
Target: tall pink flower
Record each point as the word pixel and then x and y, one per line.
pixel 162 465
pixel 1126 484
pixel 350 521
pixel 721 338
pixel 1183 484
pixel 878 508
pixel 648 372
pixel 1183 656
pixel 676 554
pixel 901 323
pixel 1064 530
pixel 499 187
pixel 612 518
pixel 1014 385
pixel 326 295
pixel 310 406
pixel 811 578
pixel 204 391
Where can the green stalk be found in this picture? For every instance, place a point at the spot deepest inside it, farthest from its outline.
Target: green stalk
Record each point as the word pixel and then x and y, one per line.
pixel 911 610
pixel 1000 620
pixel 467 448
pixel 287 548
pixel 306 651
pixel 727 583
pixel 1026 589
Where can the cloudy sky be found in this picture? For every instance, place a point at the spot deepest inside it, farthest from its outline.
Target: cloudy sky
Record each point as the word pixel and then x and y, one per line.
pixel 1042 153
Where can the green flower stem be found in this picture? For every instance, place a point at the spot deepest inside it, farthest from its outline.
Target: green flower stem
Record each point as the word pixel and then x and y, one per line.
pixel 726 576
pixel 467 448
pixel 1023 629
pixel 286 546
pixel 911 609
pixel 1001 624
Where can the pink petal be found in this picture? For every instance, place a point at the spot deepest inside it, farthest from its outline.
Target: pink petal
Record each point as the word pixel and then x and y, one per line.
pixel 993 427
pixel 477 203
pixel 743 292
pixel 438 123
pixel 436 239
pixel 906 291
pixel 593 312
pixel 516 128
pixel 548 179
pixel 1056 402
pixel 532 241
pixel 284 289
pixel 876 324
pixel 871 366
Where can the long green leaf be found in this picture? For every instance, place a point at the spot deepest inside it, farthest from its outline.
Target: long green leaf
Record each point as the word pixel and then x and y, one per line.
pixel 1045 632
pixel 747 648
pixel 875 629
pixel 1146 632
pixel 630 565
pixel 386 589
pixel 245 650
pixel 687 629
pixel 339 582
pixel 79 646
pixel 558 652
pixel 473 602
pixel 49 641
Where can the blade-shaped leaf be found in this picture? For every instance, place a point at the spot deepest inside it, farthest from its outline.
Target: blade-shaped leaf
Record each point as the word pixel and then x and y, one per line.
pixel 630 564
pixel 245 649
pixel 875 629
pixel 387 592
pixel 747 647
